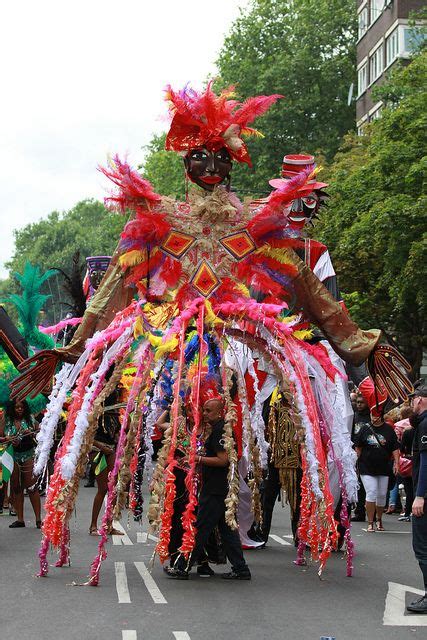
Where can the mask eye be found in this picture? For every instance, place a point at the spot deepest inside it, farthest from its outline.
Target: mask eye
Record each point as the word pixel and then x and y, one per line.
pixel 309 202
pixel 198 155
pixel 223 155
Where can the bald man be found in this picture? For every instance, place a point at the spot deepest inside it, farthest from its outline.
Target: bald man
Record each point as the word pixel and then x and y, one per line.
pixel 211 510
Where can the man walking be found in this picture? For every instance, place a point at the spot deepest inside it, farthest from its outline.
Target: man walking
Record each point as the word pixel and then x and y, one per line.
pixel 419 475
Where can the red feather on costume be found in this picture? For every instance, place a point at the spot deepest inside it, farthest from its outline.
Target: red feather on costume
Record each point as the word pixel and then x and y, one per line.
pixel 271 218
pixel 134 191
pixel 148 228
pixel 213 121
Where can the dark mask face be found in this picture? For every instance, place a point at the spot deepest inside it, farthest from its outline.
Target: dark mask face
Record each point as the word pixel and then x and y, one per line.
pixel 303 210
pixel 208 168
pixel 95 278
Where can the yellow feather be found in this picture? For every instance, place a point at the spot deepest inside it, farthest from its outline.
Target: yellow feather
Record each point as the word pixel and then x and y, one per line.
pixel 166 347
pixel 211 317
pixel 131 258
pixel 276 254
pixel 243 289
pixel 303 334
pixel 138 329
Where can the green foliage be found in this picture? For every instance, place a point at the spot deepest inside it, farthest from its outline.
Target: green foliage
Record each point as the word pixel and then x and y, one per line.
pixel 52 242
pixel 302 49
pixel 30 303
pixel 165 170
pixel 375 225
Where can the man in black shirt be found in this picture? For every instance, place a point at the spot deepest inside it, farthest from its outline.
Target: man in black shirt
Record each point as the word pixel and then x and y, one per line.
pixel 211 509
pixel 361 417
pixel 419 475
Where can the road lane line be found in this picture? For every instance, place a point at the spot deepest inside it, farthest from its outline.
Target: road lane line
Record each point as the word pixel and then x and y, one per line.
pixel 280 540
pixel 122 588
pixel 181 635
pixel 141 536
pixel 129 634
pixel 153 589
pixel 124 539
pixel 153 538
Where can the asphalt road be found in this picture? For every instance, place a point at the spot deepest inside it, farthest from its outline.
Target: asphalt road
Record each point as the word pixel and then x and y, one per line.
pixel 282 602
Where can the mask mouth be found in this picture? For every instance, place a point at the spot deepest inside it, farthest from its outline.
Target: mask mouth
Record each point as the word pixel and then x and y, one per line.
pixel 211 179
pixel 298 218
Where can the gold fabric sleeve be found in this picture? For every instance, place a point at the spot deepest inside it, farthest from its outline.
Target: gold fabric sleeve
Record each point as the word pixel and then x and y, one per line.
pixel 112 296
pixel 350 342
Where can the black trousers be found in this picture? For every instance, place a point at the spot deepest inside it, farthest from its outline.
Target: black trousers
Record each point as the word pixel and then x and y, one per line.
pixel 211 514
pixel 360 511
pixel 419 537
pixel 409 492
pixel 270 492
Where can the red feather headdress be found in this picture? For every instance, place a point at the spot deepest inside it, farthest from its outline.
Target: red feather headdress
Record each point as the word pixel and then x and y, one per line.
pixel 213 121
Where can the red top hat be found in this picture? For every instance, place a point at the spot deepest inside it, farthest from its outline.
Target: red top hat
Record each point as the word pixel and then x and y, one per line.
pixel 292 165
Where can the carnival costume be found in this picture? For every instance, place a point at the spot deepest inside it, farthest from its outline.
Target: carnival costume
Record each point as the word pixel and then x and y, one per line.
pixel 188 277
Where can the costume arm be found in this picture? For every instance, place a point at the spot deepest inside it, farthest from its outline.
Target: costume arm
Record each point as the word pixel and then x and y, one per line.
pixel 112 296
pixel 312 298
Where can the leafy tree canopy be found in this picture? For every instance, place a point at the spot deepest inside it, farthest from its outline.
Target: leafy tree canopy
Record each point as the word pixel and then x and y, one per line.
pixel 302 49
pixel 52 242
pixel 375 225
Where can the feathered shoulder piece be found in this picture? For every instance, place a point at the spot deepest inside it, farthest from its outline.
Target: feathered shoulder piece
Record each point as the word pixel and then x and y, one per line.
pixel 205 119
pixel 134 192
pixel 271 221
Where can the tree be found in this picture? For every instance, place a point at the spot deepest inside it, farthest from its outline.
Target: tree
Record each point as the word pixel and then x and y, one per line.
pixel 375 225
pixel 303 49
pixel 165 170
pixel 52 242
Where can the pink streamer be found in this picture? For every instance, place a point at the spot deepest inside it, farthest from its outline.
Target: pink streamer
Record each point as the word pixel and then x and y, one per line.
pixel 56 328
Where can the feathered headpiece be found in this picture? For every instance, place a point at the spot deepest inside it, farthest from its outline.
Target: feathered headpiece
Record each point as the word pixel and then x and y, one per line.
pixel 213 121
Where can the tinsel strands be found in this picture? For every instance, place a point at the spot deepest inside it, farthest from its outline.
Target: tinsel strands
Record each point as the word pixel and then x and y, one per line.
pixel 232 499
pixel 52 525
pixel 142 373
pixel 64 550
pixel 189 517
pixel 162 547
pixel 44 565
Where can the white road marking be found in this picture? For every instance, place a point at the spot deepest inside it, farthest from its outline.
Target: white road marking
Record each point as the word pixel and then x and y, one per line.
pixel 290 536
pixel 153 589
pixel 280 540
pixel 129 634
pixel 395 607
pixel 153 538
pixel 124 539
pixel 181 635
pixel 122 583
pixel 389 531
pixel 141 536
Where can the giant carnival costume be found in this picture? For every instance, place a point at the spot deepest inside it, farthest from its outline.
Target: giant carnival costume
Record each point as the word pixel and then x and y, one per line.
pixel 187 282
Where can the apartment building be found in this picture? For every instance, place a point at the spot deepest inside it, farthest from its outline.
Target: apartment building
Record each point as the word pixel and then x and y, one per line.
pixel 384 36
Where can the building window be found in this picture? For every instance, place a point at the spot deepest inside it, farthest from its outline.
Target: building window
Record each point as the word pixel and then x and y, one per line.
pixel 376 9
pixel 376 64
pixel 392 47
pixel 412 39
pixel 375 115
pixel 362 79
pixel 363 21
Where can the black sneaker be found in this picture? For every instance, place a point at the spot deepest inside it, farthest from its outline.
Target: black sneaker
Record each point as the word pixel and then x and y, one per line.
pixel 205 571
pixel 177 574
pixel 419 606
pixel 17 524
pixel 234 575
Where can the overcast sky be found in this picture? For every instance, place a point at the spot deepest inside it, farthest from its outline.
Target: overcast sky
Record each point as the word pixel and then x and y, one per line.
pixel 83 79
